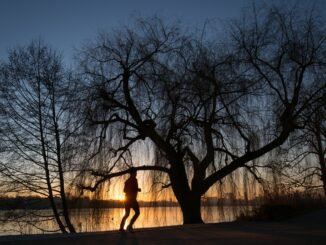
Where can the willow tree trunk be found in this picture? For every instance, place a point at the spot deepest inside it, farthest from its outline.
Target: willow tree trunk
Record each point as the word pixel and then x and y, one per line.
pixel 189 201
pixel 191 209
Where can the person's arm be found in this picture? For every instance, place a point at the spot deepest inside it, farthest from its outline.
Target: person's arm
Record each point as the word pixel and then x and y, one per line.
pixel 138 189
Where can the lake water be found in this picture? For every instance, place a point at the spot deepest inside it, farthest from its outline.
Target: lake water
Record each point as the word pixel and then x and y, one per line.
pixel 88 220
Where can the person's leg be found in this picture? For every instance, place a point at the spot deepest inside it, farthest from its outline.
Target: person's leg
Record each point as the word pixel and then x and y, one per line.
pixel 127 212
pixel 135 207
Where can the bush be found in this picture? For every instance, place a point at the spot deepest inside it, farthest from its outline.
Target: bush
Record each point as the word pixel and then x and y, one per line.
pixel 277 208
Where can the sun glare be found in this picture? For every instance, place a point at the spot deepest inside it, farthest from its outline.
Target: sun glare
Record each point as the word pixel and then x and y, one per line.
pixel 121 197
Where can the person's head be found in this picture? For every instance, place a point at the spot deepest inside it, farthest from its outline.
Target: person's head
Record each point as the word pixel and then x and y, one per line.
pixel 133 172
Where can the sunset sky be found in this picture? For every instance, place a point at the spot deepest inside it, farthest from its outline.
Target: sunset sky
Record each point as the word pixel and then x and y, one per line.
pixel 67 24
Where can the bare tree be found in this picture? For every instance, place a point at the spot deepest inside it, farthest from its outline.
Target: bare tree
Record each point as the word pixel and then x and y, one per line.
pixel 34 131
pixel 304 161
pixel 206 109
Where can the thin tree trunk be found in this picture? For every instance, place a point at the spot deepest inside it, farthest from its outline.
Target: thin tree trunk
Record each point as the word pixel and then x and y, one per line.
pixel 60 169
pixel 324 182
pixel 320 152
pixel 46 165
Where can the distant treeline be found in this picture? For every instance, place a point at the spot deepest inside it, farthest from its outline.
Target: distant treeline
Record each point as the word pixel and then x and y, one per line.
pixel 7 203
pixel 29 202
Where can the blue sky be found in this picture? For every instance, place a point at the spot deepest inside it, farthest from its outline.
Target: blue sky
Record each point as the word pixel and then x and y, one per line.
pixel 66 24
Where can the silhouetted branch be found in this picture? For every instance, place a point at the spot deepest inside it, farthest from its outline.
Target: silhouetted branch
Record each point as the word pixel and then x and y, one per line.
pixel 107 176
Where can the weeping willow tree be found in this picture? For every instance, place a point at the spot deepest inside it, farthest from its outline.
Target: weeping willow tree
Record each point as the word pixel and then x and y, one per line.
pixel 205 109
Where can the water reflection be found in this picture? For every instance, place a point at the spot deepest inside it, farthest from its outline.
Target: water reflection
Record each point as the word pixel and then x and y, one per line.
pixel 88 220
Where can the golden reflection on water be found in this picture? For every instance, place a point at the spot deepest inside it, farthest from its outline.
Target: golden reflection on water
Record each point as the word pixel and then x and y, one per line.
pixel 88 220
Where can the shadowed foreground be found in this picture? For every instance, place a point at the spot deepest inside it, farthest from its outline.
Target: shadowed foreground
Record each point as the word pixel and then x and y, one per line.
pixel 306 229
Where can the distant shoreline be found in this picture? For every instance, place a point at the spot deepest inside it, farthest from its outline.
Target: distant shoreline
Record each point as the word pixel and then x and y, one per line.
pixel 32 203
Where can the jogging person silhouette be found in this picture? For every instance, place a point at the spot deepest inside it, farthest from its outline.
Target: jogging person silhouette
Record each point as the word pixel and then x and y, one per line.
pixel 131 190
